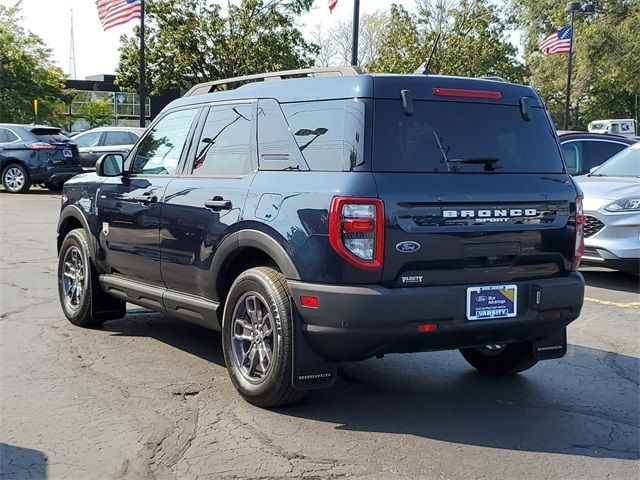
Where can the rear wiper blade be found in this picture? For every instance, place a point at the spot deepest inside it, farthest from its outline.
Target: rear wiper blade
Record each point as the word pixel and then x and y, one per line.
pixel 487 161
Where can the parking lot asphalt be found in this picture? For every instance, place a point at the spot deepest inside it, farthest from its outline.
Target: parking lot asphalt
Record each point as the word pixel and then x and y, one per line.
pixel 149 397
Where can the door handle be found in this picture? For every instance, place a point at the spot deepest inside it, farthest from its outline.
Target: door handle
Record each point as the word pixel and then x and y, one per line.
pixel 146 198
pixel 218 203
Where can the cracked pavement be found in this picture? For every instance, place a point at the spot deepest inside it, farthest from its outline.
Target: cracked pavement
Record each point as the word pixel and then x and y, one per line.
pixel 149 397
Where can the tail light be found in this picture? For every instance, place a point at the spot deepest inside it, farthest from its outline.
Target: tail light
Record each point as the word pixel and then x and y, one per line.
pixel 41 146
pixel 581 220
pixel 356 230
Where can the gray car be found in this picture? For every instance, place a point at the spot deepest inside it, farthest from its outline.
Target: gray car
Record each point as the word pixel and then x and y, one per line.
pixel 94 143
pixel 612 207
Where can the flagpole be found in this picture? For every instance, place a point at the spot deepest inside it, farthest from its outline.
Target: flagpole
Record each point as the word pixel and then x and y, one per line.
pixel 356 32
pixel 143 89
pixel 567 100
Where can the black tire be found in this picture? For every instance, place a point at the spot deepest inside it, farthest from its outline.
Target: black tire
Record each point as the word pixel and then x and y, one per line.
pixel 15 178
pixel 270 292
pixel 510 359
pixel 78 308
pixel 53 187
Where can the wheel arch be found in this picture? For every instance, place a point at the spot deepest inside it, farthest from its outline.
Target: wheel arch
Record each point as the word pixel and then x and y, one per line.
pixel 246 249
pixel 71 218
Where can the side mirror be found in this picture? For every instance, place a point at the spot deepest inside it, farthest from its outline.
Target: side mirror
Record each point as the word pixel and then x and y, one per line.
pixel 110 165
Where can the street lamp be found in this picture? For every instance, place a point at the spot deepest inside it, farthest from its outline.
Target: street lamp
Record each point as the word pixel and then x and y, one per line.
pixel 573 8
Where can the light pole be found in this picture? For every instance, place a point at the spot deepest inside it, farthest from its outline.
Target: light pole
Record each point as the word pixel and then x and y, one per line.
pixel 356 32
pixel 573 8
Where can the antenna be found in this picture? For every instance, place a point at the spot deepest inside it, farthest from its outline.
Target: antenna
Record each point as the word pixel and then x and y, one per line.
pixel 424 68
pixel 72 52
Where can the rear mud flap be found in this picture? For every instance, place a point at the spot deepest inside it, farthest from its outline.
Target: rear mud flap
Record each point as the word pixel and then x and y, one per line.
pixel 553 346
pixel 309 369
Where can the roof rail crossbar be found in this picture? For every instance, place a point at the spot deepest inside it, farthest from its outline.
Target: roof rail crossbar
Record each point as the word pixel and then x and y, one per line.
pixel 235 82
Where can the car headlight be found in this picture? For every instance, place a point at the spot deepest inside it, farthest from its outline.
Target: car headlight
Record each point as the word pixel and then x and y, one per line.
pixel 624 204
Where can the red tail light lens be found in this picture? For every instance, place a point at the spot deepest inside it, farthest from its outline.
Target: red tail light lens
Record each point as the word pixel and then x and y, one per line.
pixel 356 230
pixel 581 220
pixel 40 146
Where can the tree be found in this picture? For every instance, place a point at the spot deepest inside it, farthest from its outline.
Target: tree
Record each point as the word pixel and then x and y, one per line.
pixel 606 68
pixel 193 41
pixel 26 73
pixel 97 113
pixel 471 37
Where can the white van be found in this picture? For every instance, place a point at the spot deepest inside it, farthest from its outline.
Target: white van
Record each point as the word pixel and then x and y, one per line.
pixel 625 126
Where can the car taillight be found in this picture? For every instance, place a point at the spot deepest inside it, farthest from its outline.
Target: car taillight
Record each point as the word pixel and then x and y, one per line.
pixel 356 230
pixel 580 222
pixel 40 146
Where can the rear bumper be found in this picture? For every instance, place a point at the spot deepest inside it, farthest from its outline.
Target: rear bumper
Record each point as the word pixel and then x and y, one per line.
pixel 56 174
pixel 357 322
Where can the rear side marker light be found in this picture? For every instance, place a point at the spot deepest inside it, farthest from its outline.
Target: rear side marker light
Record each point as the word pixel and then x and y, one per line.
pixel 309 301
pixel 462 93
pixel 356 230
pixel 40 146
pixel 427 327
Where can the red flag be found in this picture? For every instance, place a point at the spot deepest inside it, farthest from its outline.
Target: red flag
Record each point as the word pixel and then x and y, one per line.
pixel 332 5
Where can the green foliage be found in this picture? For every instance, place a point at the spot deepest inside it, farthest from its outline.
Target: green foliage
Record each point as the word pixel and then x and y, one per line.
pixel 98 113
pixel 27 73
pixel 606 67
pixel 193 41
pixel 472 41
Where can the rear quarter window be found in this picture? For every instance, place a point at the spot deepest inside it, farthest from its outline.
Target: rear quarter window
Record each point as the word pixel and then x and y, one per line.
pixel 443 136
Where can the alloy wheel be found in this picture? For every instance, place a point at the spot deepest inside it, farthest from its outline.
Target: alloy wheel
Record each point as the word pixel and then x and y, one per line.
pixel 13 179
pixel 73 278
pixel 253 336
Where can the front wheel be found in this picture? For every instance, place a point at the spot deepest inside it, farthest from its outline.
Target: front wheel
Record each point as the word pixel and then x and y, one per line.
pixel 500 359
pixel 257 338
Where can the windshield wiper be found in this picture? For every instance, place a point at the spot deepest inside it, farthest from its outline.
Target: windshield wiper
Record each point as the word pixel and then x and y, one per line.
pixel 444 155
pixel 596 175
pixel 487 161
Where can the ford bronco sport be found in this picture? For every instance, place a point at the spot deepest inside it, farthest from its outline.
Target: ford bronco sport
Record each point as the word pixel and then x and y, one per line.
pixel 336 216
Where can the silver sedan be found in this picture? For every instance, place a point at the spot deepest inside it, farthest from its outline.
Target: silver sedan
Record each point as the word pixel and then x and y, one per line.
pixel 612 206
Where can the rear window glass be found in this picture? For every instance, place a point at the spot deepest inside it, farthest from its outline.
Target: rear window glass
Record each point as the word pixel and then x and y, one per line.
pixel 49 135
pixel 463 137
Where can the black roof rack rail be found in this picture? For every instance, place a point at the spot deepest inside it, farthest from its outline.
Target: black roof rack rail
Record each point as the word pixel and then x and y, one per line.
pixel 235 82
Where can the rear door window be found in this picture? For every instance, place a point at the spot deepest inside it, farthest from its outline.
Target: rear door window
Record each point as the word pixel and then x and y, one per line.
pixel 118 138
pixel 7 136
pixel 453 137
pixel 225 143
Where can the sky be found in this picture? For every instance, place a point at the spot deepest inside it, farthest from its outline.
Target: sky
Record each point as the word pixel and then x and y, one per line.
pixel 97 51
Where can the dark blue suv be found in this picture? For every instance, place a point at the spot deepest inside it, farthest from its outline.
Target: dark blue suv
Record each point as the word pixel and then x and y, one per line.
pixel 335 217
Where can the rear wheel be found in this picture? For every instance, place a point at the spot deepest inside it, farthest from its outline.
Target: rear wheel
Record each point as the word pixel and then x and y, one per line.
pixel 15 178
pixel 257 338
pixel 500 359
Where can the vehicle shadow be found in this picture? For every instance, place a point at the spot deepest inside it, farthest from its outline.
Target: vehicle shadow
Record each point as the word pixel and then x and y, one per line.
pixel 19 462
pixel 585 404
pixel 33 191
pixel 611 280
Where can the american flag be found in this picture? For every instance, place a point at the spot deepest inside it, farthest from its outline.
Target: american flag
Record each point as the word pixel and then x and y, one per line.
pixel 332 5
pixel 117 12
pixel 556 42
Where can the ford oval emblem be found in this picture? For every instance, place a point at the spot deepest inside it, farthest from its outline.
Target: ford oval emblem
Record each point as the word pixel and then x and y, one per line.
pixel 408 247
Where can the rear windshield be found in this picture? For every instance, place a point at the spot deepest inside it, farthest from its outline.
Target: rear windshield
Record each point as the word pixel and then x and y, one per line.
pixel 463 137
pixel 49 135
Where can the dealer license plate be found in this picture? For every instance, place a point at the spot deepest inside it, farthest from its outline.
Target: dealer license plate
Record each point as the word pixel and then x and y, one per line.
pixel 492 301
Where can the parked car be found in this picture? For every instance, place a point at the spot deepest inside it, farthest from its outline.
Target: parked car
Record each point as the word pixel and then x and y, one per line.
pixel 583 151
pixel 98 141
pixel 335 218
pixel 33 154
pixel 612 207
